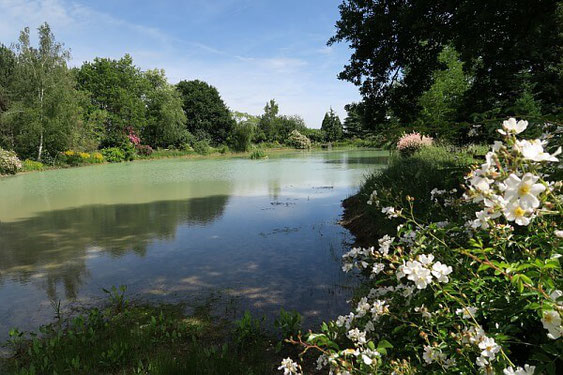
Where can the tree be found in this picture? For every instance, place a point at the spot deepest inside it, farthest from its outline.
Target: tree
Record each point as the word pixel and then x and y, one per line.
pixel 166 121
pixel 44 108
pixel 207 115
pixel 267 124
pixel 440 103
pixel 354 122
pixel 332 126
pixel 119 88
pixel 396 44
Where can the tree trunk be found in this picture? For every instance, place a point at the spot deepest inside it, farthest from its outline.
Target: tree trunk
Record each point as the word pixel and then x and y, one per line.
pixel 40 146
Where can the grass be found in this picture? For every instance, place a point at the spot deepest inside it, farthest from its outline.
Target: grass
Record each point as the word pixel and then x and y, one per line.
pixel 441 167
pixel 126 338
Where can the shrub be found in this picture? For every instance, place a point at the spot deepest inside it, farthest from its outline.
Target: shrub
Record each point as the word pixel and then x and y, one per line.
pixel 409 143
pixel 97 157
pixel 201 147
pixel 288 323
pixel 241 137
pixel 113 154
pixel 32 165
pixel 298 140
pixel 479 293
pixel 144 150
pixel 9 162
pixel 258 154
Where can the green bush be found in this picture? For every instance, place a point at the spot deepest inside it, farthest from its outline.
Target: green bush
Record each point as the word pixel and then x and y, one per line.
pixel 32 165
pixel 298 140
pixel 202 147
pixel 241 137
pixel 258 154
pixel 288 323
pixel 113 154
pixel 9 162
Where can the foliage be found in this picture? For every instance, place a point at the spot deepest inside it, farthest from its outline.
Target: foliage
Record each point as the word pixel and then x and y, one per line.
pixel 202 147
pixel 75 158
pixel 395 48
pixel 9 162
pixel 207 115
pixel 43 111
pixel 440 103
pixel 248 329
pixel 126 338
pixel 144 150
pixel 354 123
pixel 258 154
pixel 315 135
pixel 331 126
pixel 298 140
pixel 32 165
pixel 288 323
pixel 166 121
pixel 241 136
pixel 113 154
pixel 479 292
pixel 116 87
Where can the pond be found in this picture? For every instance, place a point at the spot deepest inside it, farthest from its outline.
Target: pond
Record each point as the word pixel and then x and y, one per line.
pixel 248 234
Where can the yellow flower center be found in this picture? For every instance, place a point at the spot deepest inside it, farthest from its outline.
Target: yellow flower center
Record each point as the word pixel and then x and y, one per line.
pixel 524 189
pixel 548 319
pixel 519 212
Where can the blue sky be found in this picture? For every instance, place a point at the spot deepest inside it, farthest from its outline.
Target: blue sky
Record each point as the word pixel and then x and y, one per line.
pixel 251 50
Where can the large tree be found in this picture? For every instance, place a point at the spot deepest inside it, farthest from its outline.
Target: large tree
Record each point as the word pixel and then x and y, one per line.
pixel 207 115
pixel 44 110
pixel 332 126
pixel 119 88
pixel 396 44
pixel 166 121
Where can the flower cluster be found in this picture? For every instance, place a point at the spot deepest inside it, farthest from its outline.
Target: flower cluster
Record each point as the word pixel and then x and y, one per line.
pixel 514 194
pixel 409 143
pixel 460 296
pixel 9 162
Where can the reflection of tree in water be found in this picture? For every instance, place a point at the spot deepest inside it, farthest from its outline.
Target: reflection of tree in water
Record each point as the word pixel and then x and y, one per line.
pixel 351 161
pixel 53 246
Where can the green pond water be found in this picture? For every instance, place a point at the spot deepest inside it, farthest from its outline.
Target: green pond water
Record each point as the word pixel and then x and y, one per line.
pixel 255 235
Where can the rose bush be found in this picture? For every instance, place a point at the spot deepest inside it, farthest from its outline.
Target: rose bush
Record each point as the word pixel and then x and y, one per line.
pixel 9 162
pixel 478 293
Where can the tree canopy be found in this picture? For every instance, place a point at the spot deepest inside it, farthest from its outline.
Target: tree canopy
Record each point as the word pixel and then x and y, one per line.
pixel 331 126
pixel 396 46
pixel 207 115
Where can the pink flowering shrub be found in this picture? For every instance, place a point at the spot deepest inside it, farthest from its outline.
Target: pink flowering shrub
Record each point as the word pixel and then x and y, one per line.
pixel 412 142
pixel 133 137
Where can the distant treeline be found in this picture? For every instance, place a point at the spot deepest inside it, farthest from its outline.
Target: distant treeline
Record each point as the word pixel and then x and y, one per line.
pixel 47 108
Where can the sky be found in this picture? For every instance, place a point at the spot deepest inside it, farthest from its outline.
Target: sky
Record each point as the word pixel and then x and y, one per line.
pixel 251 50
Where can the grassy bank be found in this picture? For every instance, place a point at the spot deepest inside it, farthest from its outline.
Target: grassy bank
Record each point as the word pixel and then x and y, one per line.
pixel 437 167
pixel 128 338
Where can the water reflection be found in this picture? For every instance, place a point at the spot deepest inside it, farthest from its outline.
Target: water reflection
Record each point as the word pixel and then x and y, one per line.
pixel 54 245
pixel 264 233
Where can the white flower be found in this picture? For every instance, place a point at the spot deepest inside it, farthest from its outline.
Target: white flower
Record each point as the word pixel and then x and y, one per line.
pixel 489 347
pixel 441 272
pixel 527 370
pixel 347 267
pixel 379 308
pixel 417 273
pixel 373 198
pixel 559 233
pixel 426 259
pixel 525 189
pixel 515 211
pixel 533 150
pixel 482 361
pixel 428 355
pixel 377 268
pixel 357 335
pixel 511 126
pixel 363 307
pixel 423 310
pixel 384 244
pixel 552 322
pixel 482 220
pixel 390 212
pixel 289 367
pixel 467 312
pixel 555 295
